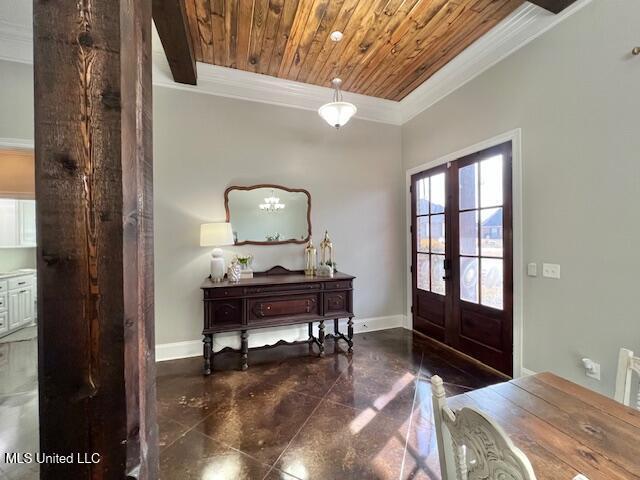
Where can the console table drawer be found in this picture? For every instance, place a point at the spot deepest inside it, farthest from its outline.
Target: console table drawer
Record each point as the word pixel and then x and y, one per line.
pixel 265 309
pixel 282 288
pixel 340 285
pixel 336 302
pixel 223 313
pixel 222 292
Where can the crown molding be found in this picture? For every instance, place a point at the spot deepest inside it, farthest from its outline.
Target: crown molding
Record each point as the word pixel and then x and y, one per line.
pixel 233 83
pixel 521 27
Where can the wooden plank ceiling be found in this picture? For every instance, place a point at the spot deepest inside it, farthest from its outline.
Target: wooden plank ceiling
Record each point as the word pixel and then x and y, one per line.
pixel 389 48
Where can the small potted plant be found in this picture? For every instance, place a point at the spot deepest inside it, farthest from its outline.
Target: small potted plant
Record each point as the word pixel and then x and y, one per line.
pixel 245 265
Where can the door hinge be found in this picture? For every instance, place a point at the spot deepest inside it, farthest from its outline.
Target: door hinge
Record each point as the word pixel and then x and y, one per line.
pixel 411 268
pixel 410 188
pixel 411 229
pixel 411 308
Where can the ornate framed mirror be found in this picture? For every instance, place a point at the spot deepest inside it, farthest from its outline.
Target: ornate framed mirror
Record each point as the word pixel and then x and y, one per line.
pixel 268 214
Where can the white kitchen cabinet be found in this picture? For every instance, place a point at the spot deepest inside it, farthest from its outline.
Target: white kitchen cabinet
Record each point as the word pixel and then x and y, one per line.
pixel 4 322
pixel 26 305
pixel 17 305
pixel 17 223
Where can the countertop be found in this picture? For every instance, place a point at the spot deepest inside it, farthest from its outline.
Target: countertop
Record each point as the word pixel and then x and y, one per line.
pixel 17 273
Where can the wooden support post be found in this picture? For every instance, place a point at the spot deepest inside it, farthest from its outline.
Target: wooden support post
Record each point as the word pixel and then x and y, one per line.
pixel 93 147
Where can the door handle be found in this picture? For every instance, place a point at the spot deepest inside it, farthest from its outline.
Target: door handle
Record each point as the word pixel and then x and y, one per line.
pixel 446 277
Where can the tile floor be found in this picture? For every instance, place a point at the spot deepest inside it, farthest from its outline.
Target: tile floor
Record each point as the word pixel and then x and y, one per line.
pixel 291 416
pixel 18 401
pixel 296 416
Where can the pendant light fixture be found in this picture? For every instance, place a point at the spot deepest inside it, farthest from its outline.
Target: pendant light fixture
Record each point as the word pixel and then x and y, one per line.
pixel 338 112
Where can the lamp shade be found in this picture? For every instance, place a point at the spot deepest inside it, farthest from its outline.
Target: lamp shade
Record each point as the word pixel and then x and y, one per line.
pixel 216 234
pixel 337 114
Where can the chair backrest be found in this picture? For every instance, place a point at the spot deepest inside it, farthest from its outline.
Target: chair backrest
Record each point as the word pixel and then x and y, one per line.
pixel 627 364
pixel 471 446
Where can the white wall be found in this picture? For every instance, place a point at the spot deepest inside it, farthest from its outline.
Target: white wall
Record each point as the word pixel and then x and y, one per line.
pixel 203 144
pixel 575 94
pixel 17 258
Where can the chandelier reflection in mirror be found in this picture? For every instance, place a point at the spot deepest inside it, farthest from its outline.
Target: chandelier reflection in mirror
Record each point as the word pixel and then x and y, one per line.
pixel 271 204
pixel 338 112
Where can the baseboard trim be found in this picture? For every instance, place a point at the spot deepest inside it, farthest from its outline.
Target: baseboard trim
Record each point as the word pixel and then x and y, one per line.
pixel 526 372
pixel 269 336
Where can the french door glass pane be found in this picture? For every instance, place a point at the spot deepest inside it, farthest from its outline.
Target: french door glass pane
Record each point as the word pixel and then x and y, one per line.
pixel 491 283
pixel 422 237
pixel 423 272
pixel 422 196
pixel 437 193
pixel 491 182
pixel 437 275
pixel 491 232
pixel 468 179
pixel 469 233
pixel 437 234
pixel 469 279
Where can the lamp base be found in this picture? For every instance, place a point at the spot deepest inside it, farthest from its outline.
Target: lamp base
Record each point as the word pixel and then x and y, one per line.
pixel 218 267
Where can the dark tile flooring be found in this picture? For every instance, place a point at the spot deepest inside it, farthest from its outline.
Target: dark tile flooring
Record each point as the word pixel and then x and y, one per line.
pixel 291 416
pixel 296 416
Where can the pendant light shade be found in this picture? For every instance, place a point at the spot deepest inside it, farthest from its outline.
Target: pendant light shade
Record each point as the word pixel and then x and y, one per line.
pixel 338 112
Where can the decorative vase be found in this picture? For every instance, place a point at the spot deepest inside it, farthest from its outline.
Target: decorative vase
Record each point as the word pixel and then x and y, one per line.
pixel 234 271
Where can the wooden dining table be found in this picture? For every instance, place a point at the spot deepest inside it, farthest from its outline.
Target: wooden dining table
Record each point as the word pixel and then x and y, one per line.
pixel 563 428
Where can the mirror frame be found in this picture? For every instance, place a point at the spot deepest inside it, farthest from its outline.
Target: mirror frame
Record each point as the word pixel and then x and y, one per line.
pixel 269 185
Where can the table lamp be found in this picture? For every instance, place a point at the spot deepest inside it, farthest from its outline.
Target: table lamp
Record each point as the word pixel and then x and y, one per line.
pixel 216 235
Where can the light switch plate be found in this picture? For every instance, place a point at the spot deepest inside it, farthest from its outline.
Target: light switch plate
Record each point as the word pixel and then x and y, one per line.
pixel 551 270
pixel 532 269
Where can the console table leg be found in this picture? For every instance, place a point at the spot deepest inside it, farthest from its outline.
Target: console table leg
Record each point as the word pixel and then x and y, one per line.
pixel 350 334
pixel 321 338
pixel 336 327
pixel 207 353
pixel 244 337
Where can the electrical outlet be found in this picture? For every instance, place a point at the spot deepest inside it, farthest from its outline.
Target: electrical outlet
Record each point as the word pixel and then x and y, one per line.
pixel 591 368
pixel 551 270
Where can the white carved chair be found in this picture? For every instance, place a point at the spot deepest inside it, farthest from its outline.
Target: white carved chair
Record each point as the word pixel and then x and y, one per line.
pixel 472 447
pixel 627 364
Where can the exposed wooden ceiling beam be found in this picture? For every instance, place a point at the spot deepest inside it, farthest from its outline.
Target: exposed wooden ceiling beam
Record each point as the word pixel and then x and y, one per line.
pixel 171 22
pixel 555 6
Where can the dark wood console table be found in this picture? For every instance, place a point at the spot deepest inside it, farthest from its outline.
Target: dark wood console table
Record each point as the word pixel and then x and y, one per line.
pixel 276 298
